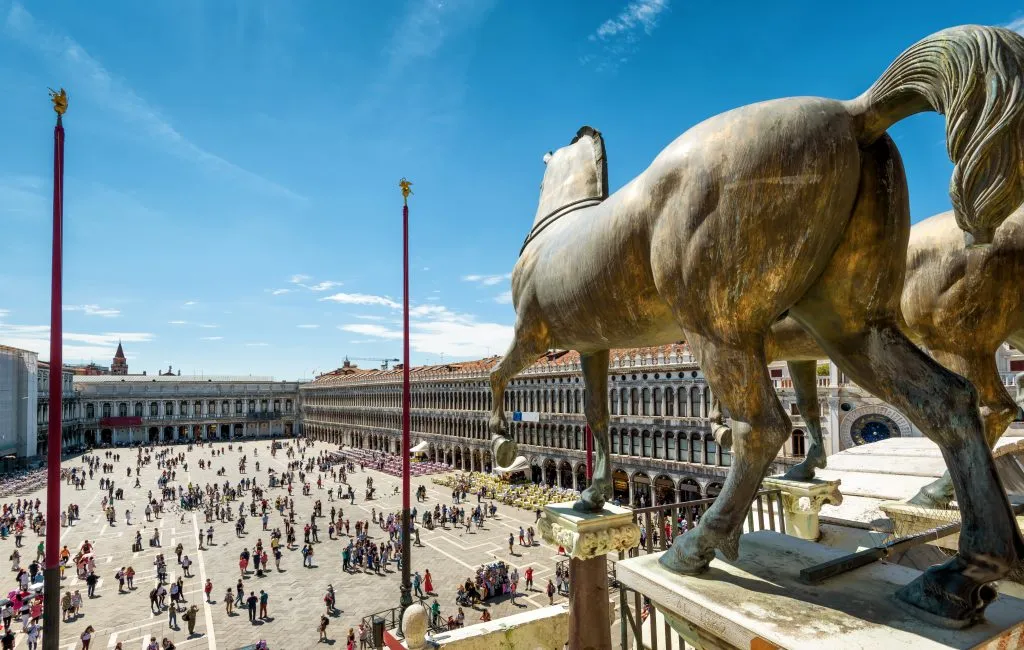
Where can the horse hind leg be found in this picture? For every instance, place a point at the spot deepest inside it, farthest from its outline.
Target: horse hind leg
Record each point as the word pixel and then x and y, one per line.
pixel 595 375
pixel 805 384
pixel 739 376
pixel 997 411
pixel 526 346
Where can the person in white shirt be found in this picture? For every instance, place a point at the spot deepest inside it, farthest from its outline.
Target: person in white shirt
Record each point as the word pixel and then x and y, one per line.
pixel 33 636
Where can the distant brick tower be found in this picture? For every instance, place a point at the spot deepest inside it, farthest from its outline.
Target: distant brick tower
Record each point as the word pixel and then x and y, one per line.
pixel 120 364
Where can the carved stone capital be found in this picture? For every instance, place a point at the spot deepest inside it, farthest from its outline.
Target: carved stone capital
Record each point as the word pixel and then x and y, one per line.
pixel 802 501
pixel 588 535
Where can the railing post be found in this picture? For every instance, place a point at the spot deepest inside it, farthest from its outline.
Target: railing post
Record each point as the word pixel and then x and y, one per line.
pixel 802 501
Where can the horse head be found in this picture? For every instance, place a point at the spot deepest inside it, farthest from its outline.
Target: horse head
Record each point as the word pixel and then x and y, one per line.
pixel 574 173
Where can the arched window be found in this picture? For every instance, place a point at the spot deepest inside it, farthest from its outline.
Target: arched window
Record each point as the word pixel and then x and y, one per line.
pixel 694 402
pixel 624 401
pixel 670 398
pixel 707 401
pixel 670 445
pixel 634 402
pixel 138 409
pixel 659 445
pixel 577 401
pixel 90 411
pixel 645 403
pixel 657 401
pixel 106 409
pixel 635 435
pixel 122 410
pixel 615 441
pixel 646 437
pixel 154 409
pixel 614 398
pixel 681 395
pixel 684 445
pixel 798 443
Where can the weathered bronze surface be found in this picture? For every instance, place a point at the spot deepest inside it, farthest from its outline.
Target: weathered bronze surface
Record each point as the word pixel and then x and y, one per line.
pixel 960 303
pixel 796 204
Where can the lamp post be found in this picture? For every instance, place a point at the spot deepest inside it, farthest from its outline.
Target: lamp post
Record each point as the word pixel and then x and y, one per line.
pixel 54 439
pixel 406 587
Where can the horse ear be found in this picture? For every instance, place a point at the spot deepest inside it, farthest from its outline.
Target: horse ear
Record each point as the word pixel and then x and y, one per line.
pixel 548 156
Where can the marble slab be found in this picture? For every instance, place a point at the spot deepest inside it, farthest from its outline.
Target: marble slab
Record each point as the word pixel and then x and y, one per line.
pixel 758 600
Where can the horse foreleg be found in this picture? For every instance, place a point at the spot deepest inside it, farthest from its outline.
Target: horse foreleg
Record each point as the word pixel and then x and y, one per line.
pixel 739 377
pixel 997 411
pixel 524 350
pixel 595 376
pixel 805 385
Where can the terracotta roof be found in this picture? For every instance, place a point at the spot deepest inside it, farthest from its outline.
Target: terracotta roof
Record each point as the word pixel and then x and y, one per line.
pixel 551 358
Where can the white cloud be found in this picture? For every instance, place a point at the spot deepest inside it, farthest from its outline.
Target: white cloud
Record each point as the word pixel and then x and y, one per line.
pixel 256 345
pixel 94 310
pixel 278 292
pixel 117 98
pixel 189 303
pixel 504 298
pixel 177 322
pixel 77 346
pixel 618 36
pixel 324 286
pixel 209 326
pixel 1017 25
pixel 487 280
pixel 210 338
pixel 308 327
pixel 435 329
pixel 299 278
pixel 361 299
pixel 426 268
pixel 363 316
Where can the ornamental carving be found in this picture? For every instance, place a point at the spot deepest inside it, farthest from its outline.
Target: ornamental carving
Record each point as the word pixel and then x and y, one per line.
pixel 590 544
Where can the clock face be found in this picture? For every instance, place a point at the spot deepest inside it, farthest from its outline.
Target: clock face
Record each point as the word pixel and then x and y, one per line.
pixel 872 428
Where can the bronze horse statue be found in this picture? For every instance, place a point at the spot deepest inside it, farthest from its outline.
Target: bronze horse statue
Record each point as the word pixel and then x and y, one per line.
pixel 794 206
pixel 960 303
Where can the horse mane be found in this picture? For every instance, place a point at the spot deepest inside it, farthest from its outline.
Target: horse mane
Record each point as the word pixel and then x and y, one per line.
pixel 599 154
pixel 974 75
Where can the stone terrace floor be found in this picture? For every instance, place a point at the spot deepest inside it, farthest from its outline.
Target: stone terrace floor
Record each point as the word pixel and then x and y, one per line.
pixel 295 592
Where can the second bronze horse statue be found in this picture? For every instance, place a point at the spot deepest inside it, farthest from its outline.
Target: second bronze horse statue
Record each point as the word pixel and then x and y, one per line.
pixel 794 206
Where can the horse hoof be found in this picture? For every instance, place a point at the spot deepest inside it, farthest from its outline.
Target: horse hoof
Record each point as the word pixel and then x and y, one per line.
pixel 801 472
pixel 590 501
pixel 504 451
pixel 686 555
pixel 936 495
pixel 946 598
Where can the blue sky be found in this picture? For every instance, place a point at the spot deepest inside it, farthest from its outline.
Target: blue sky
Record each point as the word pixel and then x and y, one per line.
pixel 231 168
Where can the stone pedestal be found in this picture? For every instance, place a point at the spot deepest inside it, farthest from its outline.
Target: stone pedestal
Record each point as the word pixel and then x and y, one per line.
pixel 802 501
pixel 587 539
pixel 759 601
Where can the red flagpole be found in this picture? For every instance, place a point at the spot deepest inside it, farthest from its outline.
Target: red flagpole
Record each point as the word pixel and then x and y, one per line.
pixel 54 437
pixel 406 587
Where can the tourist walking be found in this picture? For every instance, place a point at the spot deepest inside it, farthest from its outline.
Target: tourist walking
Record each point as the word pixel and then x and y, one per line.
pixel 428 583
pixel 264 599
pixel 324 622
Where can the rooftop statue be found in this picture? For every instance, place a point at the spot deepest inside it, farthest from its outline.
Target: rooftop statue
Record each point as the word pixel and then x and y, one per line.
pixel 794 206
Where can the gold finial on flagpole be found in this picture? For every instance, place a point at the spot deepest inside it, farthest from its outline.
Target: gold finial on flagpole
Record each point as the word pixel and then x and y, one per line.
pixel 406 189
pixel 60 100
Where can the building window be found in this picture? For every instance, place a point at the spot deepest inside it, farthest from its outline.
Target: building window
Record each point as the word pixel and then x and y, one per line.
pixel 615 401
pixel 106 409
pixel 799 448
pixel 659 445
pixel 646 437
pixel 793 410
pixel 646 403
pixel 710 450
pixel 138 409
pixel 696 448
pixel 615 441
pixel 122 410
pixel 634 402
pixel 90 411
pixel 657 401
pixel 670 398
pixel 154 409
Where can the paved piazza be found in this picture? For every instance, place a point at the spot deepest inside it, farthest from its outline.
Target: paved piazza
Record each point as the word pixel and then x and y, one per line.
pixel 296 593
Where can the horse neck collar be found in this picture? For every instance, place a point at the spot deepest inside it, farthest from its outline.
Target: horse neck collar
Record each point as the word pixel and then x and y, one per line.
pixel 557 214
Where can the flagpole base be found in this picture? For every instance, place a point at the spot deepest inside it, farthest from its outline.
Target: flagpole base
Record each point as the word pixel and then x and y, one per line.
pixel 51 608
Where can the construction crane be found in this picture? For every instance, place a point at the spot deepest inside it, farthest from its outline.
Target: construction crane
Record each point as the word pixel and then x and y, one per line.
pixel 384 363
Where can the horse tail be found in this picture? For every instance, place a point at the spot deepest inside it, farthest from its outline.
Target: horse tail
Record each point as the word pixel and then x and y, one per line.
pixel 974 75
